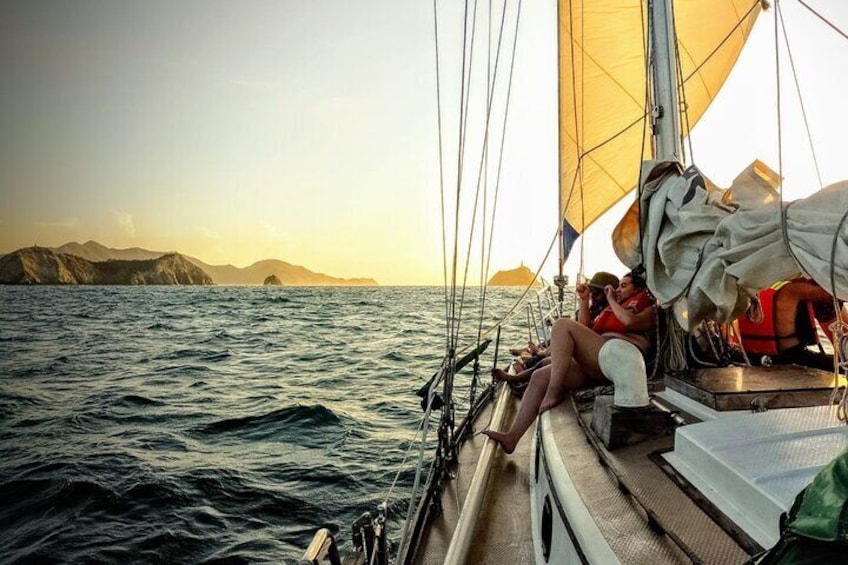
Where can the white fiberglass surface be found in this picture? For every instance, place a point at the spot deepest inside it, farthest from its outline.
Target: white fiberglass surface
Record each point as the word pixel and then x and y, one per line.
pixel 753 465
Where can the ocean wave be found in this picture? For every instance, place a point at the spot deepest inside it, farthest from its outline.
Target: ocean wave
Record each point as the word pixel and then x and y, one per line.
pixel 165 414
pixel 305 417
pixel 137 400
pixel 181 370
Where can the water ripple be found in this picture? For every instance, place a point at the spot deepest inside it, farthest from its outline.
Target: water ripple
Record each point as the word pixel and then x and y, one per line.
pixel 205 425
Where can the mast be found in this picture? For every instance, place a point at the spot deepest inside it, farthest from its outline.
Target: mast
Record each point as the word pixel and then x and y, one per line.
pixel 559 280
pixel 665 112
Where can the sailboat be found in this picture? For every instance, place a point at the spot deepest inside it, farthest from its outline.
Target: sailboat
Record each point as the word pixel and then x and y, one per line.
pixel 704 463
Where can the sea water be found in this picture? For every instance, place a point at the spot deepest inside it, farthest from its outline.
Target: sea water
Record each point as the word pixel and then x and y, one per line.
pixel 213 424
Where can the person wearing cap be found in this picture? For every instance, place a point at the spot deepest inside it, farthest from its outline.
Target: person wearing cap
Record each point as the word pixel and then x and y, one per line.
pixel 575 350
pixel 591 296
pixel 592 301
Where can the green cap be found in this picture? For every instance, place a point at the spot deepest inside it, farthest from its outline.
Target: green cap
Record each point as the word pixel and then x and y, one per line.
pixel 602 279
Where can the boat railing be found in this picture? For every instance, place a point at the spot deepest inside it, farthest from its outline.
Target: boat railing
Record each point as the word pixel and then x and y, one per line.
pixel 542 311
pixel 323 549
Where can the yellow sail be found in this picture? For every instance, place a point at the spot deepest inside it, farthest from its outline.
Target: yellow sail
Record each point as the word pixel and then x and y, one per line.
pixel 602 86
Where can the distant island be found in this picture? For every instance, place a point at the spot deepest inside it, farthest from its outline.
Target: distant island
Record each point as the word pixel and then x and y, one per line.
pixel 522 276
pixel 32 265
pixel 40 265
pixel 273 280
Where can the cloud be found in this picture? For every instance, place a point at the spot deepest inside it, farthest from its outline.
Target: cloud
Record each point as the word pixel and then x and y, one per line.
pixel 272 233
pixel 125 222
pixel 206 232
pixel 67 223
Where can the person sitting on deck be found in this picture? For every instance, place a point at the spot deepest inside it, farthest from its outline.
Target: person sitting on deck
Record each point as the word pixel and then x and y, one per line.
pixel 592 301
pixel 526 358
pixel 787 325
pixel 592 298
pixel 574 347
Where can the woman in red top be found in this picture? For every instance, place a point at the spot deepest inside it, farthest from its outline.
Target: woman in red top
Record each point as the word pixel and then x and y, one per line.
pixel 574 352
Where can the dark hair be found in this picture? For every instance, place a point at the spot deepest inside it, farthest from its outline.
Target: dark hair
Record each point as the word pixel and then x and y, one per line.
pixel 637 277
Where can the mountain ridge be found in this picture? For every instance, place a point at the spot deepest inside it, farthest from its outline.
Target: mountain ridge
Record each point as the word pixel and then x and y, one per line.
pixel 41 265
pixel 254 274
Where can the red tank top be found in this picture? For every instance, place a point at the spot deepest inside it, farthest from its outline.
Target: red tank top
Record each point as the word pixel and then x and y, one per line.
pixel 607 321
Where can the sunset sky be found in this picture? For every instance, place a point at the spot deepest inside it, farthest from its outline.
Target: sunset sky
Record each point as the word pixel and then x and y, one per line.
pixel 307 130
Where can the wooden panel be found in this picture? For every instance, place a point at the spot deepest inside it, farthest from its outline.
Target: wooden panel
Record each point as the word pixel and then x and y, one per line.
pixel 741 388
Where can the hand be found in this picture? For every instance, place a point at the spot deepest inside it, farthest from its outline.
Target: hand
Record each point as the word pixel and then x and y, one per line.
pixel 609 291
pixel 582 292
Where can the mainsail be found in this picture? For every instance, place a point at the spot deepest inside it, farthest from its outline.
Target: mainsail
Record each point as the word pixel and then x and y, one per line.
pixel 602 84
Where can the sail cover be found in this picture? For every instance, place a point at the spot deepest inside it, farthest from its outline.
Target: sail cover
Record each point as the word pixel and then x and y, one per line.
pixel 706 251
pixel 602 85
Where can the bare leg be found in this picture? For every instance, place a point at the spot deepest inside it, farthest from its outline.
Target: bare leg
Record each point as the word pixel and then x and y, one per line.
pixel 501 375
pixel 527 412
pixel 571 341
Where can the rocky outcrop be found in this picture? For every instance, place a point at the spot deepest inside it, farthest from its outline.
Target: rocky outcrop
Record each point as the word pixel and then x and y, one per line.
pixel 522 276
pixel 272 280
pixel 289 275
pixel 39 265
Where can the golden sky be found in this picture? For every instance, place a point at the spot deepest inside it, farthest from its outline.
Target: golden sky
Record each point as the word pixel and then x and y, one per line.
pixel 307 131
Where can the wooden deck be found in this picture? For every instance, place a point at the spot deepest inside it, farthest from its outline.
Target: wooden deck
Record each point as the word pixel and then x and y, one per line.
pixel 503 535
pixel 743 388
pixel 644 511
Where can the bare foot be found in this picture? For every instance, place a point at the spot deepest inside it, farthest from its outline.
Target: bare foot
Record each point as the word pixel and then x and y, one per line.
pixel 500 374
pixel 507 444
pixel 549 402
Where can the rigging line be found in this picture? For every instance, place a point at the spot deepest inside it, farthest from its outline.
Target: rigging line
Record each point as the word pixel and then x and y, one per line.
pixel 783 227
pixel 467 100
pixel 526 289
pixel 822 18
pixel 624 130
pixel 403 462
pixel 458 185
pixel 441 169
pixel 723 41
pixel 685 80
pixel 503 138
pixel 800 98
pixel 578 146
pixel 833 259
pixel 446 425
pixel 646 62
pixel 582 130
pixel 425 426
pixel 485 182
pixel 483 269
pixel 571 190
pixel 479 172
pixel 464 127
pixel 560 214
pixel 682 111
pixel 839 346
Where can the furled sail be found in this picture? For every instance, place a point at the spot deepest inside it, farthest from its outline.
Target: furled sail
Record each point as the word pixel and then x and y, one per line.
pixel 707 250
pixel 602 86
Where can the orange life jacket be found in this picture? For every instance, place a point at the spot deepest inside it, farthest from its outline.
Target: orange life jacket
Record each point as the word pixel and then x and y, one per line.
pixel 607 321
pixel 762 339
